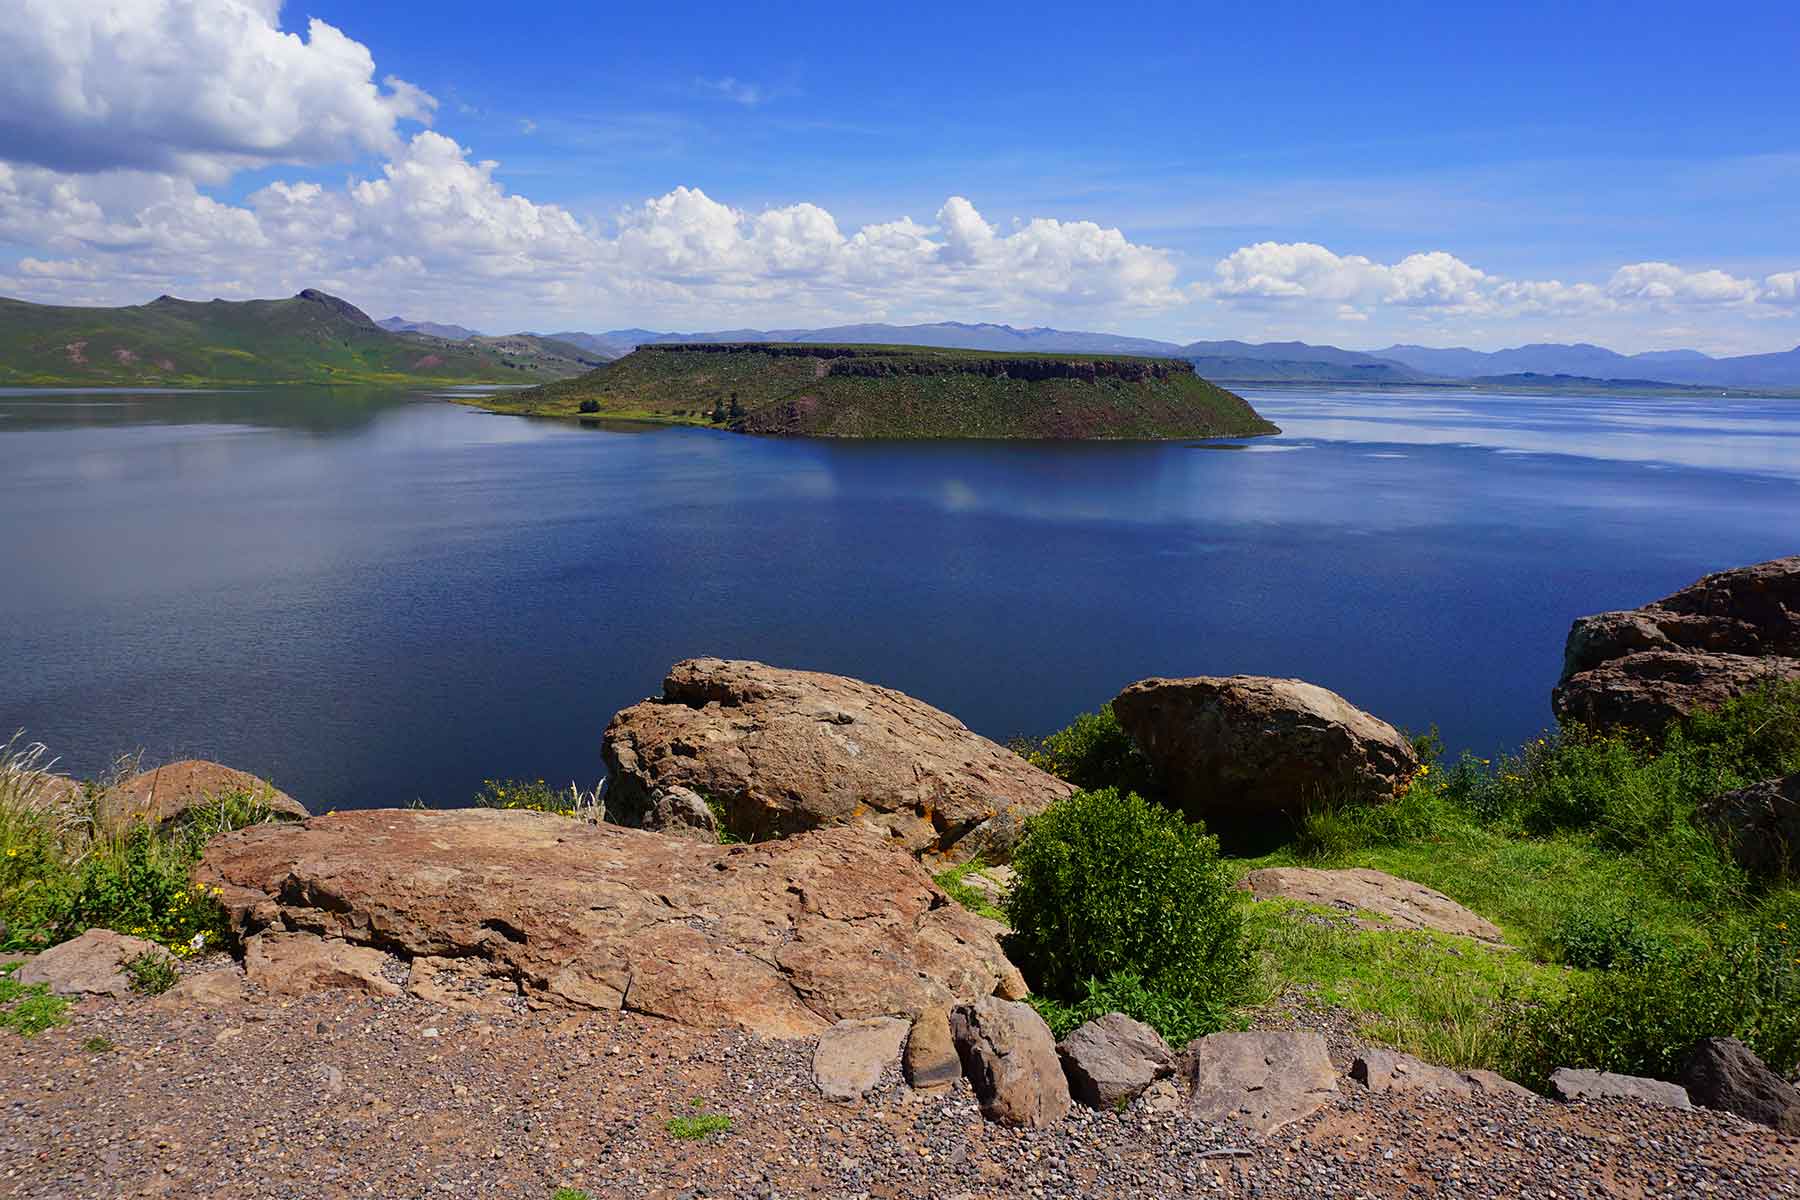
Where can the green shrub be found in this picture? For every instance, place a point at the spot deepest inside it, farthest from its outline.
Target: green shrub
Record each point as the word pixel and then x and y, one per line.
pixel 1597 939
pixel 1180 1019
pixel 1093 752
pixel 140 885
pixel 691 1127
pixel 1644 1021
pixel 1107 886
pixel 590 406
pixel 150 973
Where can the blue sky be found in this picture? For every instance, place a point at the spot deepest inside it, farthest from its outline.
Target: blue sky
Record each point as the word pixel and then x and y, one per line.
pixel 1356 174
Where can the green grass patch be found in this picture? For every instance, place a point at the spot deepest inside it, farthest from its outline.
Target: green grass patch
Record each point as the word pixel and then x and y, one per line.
pixel 693 1126
pixel 955 882
pixel 1446 999
pixel 28 1008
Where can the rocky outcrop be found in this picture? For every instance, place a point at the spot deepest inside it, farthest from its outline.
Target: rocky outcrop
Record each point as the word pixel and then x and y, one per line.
pixel 779 751
pixel 682 812
pixel 1262 1081
pixel 852 1056
pixel 1723 1073
pixel 1010 1058
pixel 167 795
pixel 1246 747
pixel 1111 1060
pixel 781 939
pixel 1707 643
pixel 92 964
pixel 1761 824
pixel 1571 1084
pixel 1389 901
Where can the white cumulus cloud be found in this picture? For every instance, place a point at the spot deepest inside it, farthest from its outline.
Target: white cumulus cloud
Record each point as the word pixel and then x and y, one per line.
pixel 193 87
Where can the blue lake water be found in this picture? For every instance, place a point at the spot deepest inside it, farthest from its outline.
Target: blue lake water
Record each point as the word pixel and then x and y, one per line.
pixel 372 598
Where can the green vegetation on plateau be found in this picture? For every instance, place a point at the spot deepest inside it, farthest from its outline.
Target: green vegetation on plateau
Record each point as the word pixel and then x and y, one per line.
pixel 897 392
pixel 310 338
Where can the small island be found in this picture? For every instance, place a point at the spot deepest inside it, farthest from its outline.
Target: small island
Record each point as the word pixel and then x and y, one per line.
pixel 871 391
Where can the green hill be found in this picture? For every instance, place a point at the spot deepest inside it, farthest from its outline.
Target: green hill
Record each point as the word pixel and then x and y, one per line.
pixel 309 338
pixel 898 392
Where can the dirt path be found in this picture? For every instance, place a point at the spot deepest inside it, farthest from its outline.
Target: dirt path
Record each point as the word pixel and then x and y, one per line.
pixel 339 1095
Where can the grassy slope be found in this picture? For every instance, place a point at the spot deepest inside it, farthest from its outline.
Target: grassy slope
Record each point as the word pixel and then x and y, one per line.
pixel 938 393
pixel 310 338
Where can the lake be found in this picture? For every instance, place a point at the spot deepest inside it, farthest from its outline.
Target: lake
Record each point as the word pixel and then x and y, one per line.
pixel 372 598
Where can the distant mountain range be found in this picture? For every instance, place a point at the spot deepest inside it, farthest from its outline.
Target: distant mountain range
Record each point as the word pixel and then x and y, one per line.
pixel 308 338
pixel 1545 364
pixel 455 333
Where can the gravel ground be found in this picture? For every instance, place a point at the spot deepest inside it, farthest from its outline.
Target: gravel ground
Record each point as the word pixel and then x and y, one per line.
pixel 340 1095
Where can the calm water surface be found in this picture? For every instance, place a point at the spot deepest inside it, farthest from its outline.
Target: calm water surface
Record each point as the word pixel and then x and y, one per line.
pixel 376 598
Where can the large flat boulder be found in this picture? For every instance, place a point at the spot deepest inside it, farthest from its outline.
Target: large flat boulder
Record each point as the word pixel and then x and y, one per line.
pixel 781 939
pixel 1263 1081
pixel 1761 824
pixel 852 1056
pixel 1240 748
pixel 1380 900
pixel 167 795
pixel 92 964
pixel 780 751
pixel 1707 643
pixel 1573 1084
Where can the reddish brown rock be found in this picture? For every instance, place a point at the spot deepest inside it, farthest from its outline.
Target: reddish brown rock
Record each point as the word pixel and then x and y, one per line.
pixel 1389 901
pixel 1010 1057
pixel 296 963
pixel 92 964
pixel 1705 644
pixel 781 939
pixel 780 751
pixel 1245 747
pixel 166 795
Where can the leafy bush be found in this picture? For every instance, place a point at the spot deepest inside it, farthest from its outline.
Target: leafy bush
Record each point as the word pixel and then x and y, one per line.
pixel 1180 1019
pixel 140 885
pixel 1108 886
pixel 1643 1021
pixel 150 973
pixel 1597 939
pixel 590 406
pixel 1093 752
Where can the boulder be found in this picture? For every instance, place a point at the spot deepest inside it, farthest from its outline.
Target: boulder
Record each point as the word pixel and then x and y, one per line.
pixel 781 939
pixel 1010 1057
pixel 1111 1060
pixel 166 795
pixel 92 964
pixel 852 1056
pixel 296 963
pixel 682 812
pixel 206 989
pixel 1703 645
pixel 1391 902
pixel 780 752
pixel 1240 749
pixel 1571 1083
pixel 932 1063
pixel 1492 1083
pixel 1262 1081
pixel 42 791
pixel 1391 1071
pixel 1723 1073
pixel 1761 824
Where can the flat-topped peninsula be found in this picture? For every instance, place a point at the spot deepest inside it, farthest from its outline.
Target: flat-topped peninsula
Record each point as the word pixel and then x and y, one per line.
pixel 808 390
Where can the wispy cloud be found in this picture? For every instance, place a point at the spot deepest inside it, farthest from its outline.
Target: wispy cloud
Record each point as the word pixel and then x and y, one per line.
pixel 738 91
pixel 527 125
